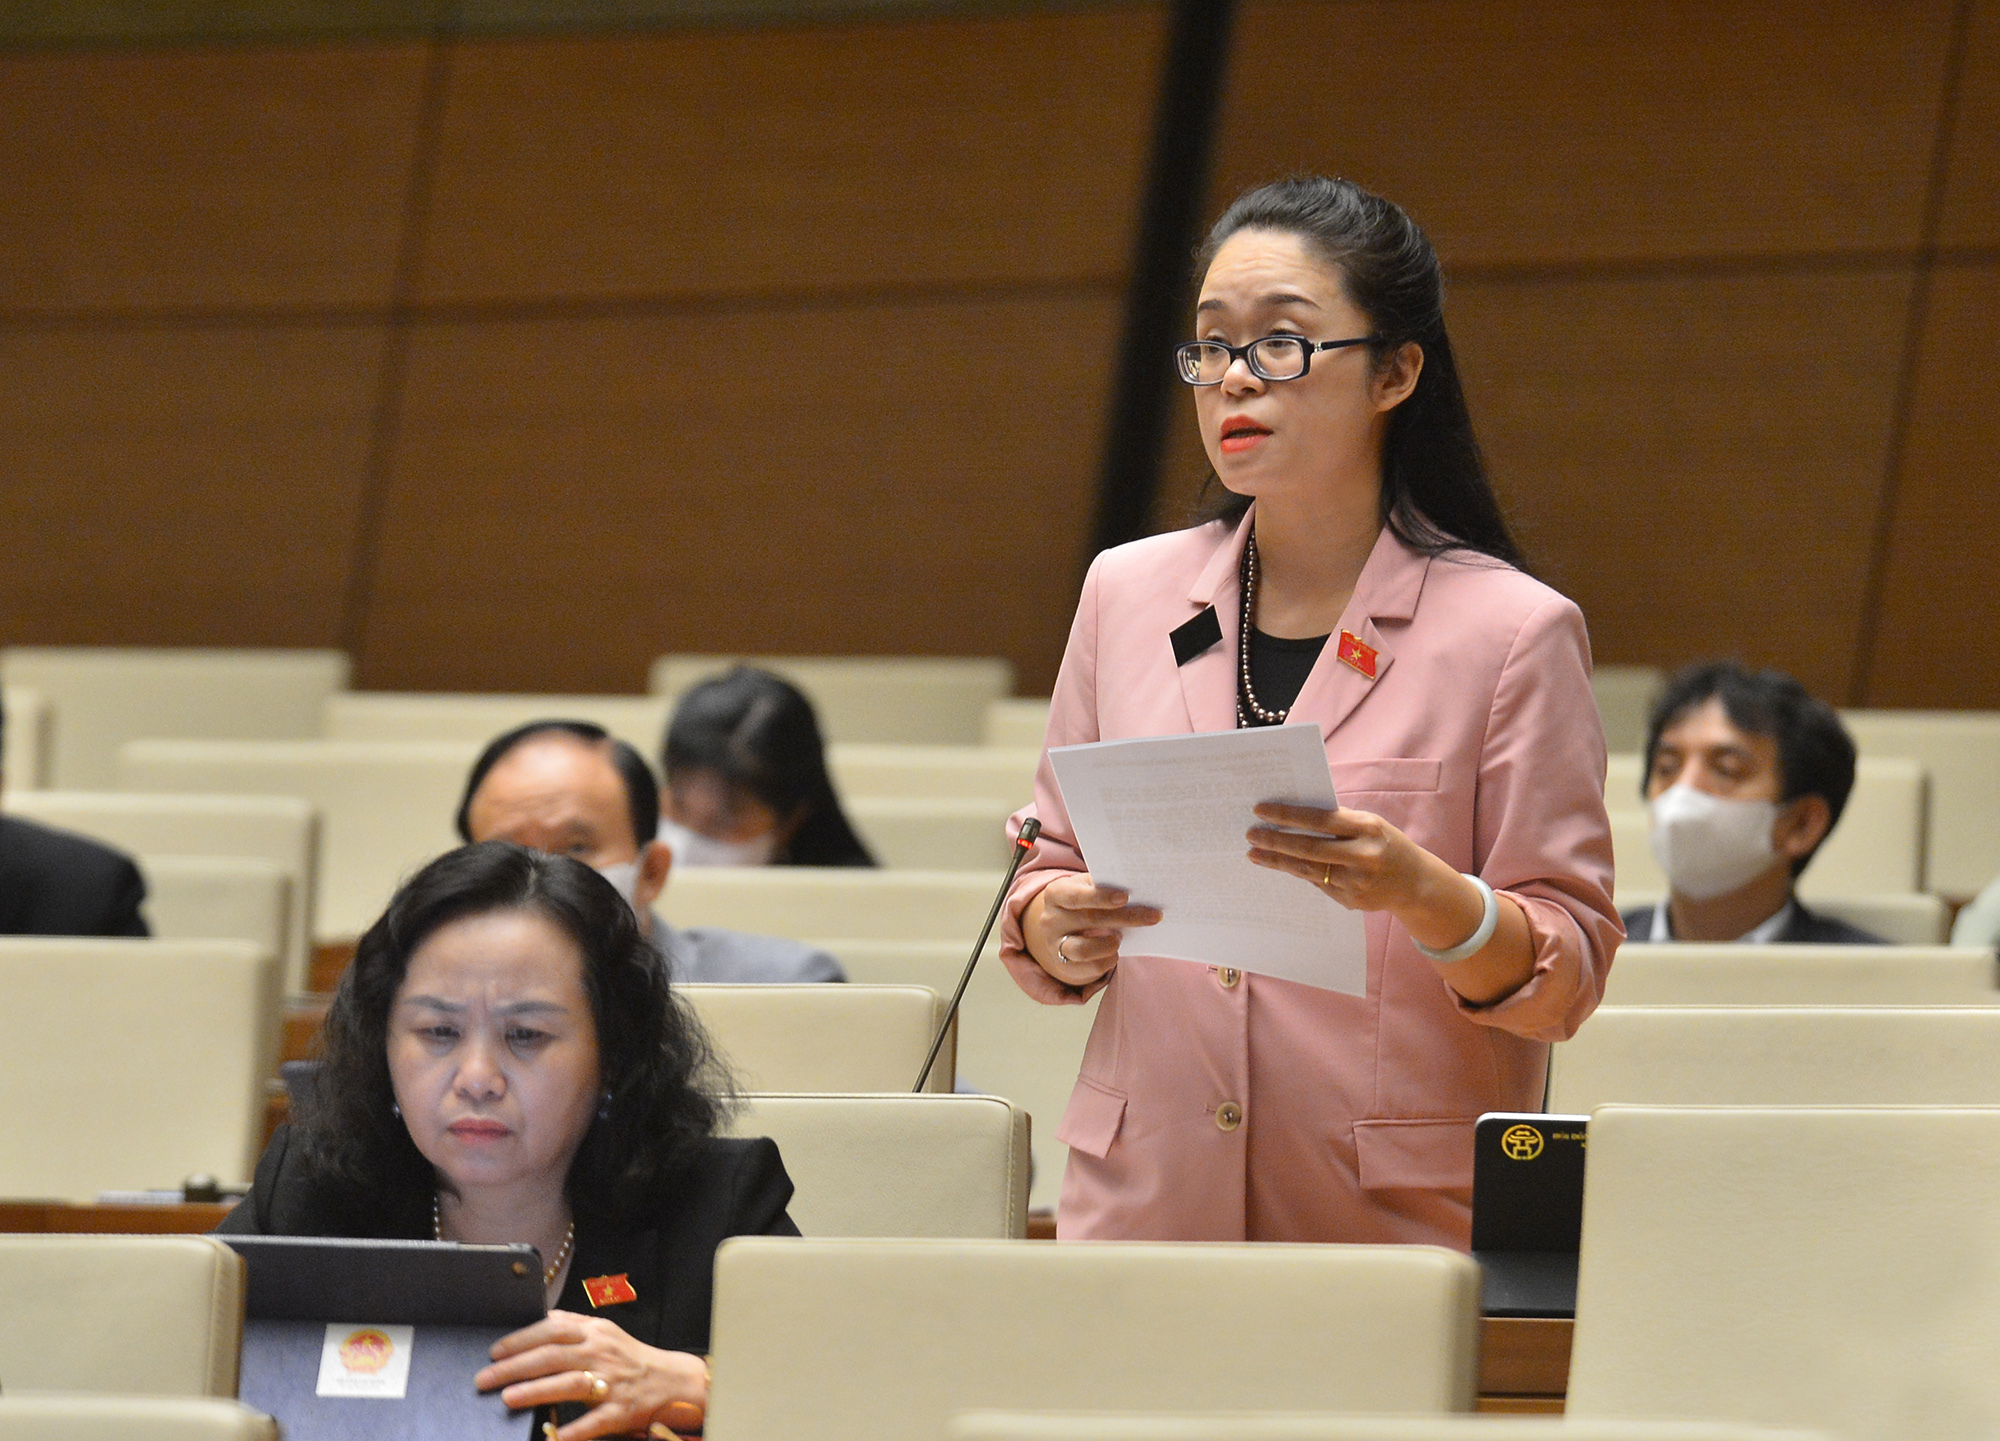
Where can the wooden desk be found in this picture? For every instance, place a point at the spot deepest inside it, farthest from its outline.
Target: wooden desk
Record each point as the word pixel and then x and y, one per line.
pixel 1523 1364
pixel 60 1216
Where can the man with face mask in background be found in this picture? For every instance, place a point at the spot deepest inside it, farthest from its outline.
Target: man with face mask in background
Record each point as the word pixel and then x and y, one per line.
pixel 568 788
pixel 1745 776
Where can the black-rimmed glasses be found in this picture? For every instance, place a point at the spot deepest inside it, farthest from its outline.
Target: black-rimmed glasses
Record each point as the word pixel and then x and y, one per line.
pixel 1271 357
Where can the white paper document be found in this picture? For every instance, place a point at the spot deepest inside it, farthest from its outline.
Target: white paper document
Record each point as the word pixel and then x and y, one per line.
pixel 1165 820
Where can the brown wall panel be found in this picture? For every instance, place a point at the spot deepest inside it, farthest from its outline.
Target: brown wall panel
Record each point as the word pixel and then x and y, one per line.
pixel 1697 462
pixel 1939 639
pixel 960 151
pixel 573 497
pixel 1972 191
pixel 240 177
pixel 181 487
pixel 1545 131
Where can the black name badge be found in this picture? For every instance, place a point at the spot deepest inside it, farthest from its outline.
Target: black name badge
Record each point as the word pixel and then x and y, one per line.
pixel 1191 639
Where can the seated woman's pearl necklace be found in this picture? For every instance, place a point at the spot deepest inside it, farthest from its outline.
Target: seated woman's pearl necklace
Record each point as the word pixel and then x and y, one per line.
pixel 554 1267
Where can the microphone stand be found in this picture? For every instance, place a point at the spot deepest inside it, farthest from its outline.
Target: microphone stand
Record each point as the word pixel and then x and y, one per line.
pixel 1023 843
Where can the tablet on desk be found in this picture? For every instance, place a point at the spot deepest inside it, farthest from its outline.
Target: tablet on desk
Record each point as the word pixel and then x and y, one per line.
pixel 354 1340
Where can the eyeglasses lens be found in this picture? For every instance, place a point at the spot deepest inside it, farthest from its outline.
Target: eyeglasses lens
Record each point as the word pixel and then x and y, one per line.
pixel 1279 357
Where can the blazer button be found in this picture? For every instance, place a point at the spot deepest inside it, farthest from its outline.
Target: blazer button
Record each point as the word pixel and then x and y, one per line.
pixel 1229 976
pixel 1228 1115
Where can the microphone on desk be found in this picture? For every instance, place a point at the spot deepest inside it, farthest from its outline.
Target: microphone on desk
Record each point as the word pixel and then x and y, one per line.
pixel 1023 843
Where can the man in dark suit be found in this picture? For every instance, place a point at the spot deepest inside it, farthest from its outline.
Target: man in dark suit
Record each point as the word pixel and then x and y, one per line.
pixel 1745 776
pixel 53 883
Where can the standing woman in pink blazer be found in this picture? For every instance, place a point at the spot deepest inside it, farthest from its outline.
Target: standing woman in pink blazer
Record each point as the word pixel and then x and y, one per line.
pixel 1356 573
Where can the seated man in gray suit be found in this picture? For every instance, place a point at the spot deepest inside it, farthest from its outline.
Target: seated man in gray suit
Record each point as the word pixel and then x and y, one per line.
pixel 568 788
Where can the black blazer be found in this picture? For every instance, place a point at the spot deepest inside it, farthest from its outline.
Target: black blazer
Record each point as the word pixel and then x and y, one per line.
pixel 735 1188
pixel 53 883
pixel 1805 927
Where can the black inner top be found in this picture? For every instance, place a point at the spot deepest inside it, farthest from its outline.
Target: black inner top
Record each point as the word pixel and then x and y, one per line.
pixel 1278 670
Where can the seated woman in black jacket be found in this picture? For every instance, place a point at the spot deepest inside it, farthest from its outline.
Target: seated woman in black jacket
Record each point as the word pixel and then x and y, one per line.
pixel 505 1062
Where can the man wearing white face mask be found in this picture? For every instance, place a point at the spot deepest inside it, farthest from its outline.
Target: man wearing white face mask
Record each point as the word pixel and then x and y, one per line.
pixel 569 788
pixel 1745 776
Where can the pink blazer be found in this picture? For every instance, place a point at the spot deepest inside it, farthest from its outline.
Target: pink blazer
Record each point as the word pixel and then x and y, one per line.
pixel 1214 1105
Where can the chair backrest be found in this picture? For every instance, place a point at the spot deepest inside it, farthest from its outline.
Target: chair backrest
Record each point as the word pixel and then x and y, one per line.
pixel 1689 974
pixel 103 696
pixel 934 835
pixel 929 700
pixel 132 1064
pixel 1008 1045
pixel 1837 1268
pixel 1778 1056
pixel 385 807
pixel 240 898
pixel 818 1038
pixel 881 1165
pixel 1624 696
pixel 24 749
pixel 1877 846
pixel 807 902
pixel 1909 918
pixel 281 829
pixel 1246 1426
pixel 1017 721
pixel 131 1418
pixel 427 716
pixel 1961 750
pixel 123 1315
pixel 1003 774
pixel 886 1339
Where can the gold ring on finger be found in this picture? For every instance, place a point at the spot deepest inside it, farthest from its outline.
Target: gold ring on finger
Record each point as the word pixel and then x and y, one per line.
pixel 1326 876
pixel 599 1387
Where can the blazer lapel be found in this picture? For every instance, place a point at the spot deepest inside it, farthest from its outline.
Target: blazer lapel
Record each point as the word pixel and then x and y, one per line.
pixel 1208 681
pixel 1388 590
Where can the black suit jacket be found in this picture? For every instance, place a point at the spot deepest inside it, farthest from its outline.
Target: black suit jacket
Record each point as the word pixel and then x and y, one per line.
pixel 53 883
pixel 1806 927
pixel 734 1188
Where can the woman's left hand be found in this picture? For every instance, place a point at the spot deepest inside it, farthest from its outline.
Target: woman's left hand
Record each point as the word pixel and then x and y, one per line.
pixel 1354 856
pixel 556 1359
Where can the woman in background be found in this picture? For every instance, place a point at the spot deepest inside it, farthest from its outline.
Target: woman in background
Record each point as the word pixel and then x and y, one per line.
pixel 747 782
pixel 505 1062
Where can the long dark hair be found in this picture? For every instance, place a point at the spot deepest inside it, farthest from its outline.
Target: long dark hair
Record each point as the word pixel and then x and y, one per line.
pixel 758 731
pixel 1436 497
pixel 667 1088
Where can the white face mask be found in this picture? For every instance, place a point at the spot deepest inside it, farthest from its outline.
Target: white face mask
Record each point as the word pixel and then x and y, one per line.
pixel 1709 846
pixel 624 878
pixel 692 848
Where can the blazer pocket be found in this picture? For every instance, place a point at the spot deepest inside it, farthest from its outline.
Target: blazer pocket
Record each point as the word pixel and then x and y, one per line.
pixel 1427 1155
pixel 1090 1122
pixel 1400 773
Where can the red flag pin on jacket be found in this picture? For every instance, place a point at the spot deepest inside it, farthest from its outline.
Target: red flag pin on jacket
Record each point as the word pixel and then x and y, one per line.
pixel 1356 652
pixel 610 1290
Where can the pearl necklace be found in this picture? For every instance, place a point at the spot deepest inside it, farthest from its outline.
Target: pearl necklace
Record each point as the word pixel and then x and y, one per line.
pixel 1246 698
pixel 554 1267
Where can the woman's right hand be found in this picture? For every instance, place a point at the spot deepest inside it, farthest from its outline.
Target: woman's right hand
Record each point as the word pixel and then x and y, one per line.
pixel 1073 927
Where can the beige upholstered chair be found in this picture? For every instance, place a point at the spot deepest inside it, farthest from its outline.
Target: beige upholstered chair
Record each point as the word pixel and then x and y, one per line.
pixel 1002 774
pixel 103 696
pixel 1266 1426
pixel 1017 721
pixel 24 759
pixel 926 700
pixel 1778 1056
pixel 886 1165
pixel 819 1038
pixel 132 1064
pixel 1688 974
pixel 438 716
pixel 1008 1045
pixel 837 901
pixel 279 829
pixel 123 1315
pixel 386 807
pixel 1877 847
pixel 885 1340
pixel 935 835
pixel 239 898
pixel 130 1418
pixel 1624 698
pixel 1909 918
pixel 1961 750
pixel 1819 1267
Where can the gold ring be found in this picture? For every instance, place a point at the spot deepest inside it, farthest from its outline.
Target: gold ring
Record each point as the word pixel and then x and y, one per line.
pixel 599 1387
pixel 1326 877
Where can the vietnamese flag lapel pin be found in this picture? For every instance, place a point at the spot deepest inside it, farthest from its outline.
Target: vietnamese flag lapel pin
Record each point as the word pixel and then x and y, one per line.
pixel 1356 652
pixel 610 1290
